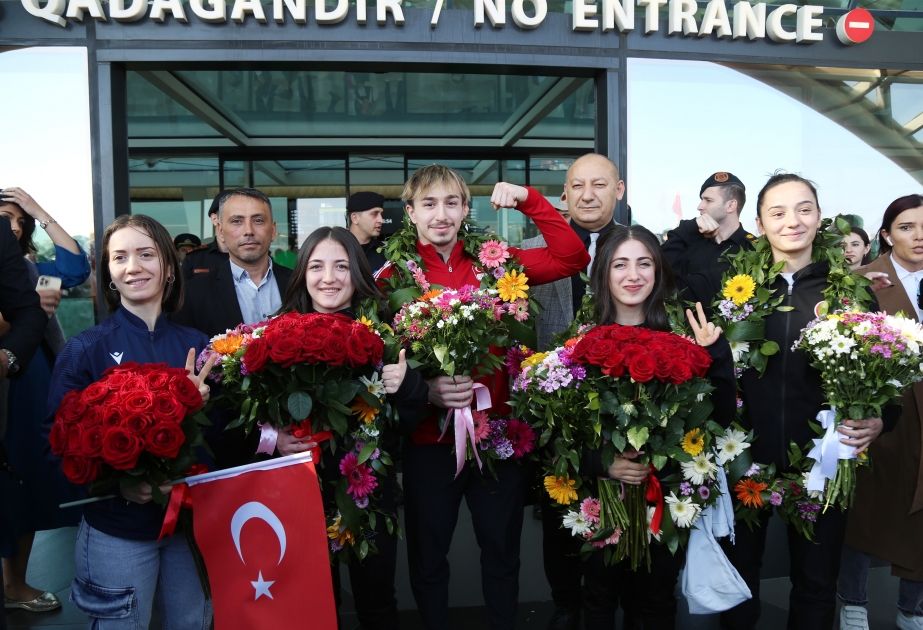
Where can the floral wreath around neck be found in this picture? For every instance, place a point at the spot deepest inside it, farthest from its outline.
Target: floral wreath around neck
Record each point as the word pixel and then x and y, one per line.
pixel 499 271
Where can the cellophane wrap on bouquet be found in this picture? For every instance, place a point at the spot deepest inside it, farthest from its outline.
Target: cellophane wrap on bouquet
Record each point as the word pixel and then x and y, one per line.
pixel 616 389
pixel 321 374
pixel 866 361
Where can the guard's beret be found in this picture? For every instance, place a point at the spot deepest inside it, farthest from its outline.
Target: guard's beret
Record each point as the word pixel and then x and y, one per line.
pixel 365 200
pixel 721 178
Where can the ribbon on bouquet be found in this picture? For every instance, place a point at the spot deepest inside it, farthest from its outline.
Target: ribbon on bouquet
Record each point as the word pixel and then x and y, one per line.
pixel 827 452
pixel 304 430
pixel 180 497
pixel 268 437
pixel 464 426
pixel 655 494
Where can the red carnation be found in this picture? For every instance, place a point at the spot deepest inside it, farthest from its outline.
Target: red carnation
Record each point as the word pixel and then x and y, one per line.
pixel 186 392
pixel 58 437
pixel 80 470
pixel 641 367
pixel 165 439
pixel 121 448
pixel 257 355
pixel 93 441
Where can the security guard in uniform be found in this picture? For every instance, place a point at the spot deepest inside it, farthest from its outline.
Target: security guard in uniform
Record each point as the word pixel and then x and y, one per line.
pixel 701 243
pixel 207 258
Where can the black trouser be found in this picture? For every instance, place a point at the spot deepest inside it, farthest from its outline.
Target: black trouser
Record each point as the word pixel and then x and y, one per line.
pixel 372 580
pixel 433 496
pixel 814 569
pixel 560 556
pixel 648 594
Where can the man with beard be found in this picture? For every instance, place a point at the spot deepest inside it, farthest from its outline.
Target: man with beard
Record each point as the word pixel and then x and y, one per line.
pixel 247 288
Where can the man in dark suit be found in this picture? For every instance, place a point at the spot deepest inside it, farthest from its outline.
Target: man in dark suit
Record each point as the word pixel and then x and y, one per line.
pixel 247 288
pixel 207 258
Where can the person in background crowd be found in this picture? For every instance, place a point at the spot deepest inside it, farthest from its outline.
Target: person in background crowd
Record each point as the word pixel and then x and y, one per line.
pixel 886 519
pixel 364 215
pixel 562 208
pixel 186 243
pixel 699 244
pixel 332 259
pixel 591 190
pixel 438 202
pixel 247 287
pixel 856 247
pixel 207 258
pixel 32 504
pixel 120 564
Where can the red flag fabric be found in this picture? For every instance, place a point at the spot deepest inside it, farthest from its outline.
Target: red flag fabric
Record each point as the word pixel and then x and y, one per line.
pixel 678 207
pixel 263 535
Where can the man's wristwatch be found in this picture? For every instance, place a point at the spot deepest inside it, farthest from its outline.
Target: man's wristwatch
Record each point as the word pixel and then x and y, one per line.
pixel 13 366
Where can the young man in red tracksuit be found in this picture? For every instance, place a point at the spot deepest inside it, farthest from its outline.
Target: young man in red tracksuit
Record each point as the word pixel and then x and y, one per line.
pixel 437 201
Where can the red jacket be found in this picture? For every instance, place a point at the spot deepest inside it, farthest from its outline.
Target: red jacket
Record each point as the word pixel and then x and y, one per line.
pixel 564 256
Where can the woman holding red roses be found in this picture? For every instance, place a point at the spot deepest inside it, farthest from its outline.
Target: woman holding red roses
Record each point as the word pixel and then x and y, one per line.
pixel 630 281
pixel 120 564
pixel 337 278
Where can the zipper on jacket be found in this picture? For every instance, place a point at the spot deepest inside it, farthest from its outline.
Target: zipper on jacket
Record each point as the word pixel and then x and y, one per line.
pixel 788 319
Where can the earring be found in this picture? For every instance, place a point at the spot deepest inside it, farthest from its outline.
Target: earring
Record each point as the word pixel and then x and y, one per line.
pixel 171 279
pixel 112 286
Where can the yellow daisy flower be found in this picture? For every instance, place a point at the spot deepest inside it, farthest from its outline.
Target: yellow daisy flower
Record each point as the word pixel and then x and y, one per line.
pixel 739 289
pixel 365 411
pixel 513 286
pixel 693 443
pixel 535 359
pixel 561 489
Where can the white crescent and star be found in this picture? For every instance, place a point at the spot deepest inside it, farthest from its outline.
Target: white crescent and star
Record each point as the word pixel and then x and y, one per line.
pixel 244 513
pixel 262 587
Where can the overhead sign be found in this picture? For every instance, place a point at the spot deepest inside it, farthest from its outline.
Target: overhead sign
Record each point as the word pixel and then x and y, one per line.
pixel 751 21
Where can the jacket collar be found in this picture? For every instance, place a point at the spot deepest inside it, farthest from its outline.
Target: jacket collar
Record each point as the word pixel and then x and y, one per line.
pixel 894 298
pixel 431 256
pixel 138 326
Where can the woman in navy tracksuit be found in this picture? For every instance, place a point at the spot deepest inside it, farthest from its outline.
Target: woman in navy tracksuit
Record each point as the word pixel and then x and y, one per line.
pixel 120 564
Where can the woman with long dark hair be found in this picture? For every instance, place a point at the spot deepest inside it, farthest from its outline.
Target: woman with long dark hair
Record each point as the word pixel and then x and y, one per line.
pixel 630 281
pixel 856 247
pixel 332 275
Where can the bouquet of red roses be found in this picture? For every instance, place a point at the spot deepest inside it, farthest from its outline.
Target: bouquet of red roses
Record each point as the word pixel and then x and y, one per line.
pixel 136 423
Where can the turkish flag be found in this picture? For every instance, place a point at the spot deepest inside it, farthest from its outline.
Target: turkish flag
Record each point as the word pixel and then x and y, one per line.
pixel 263 535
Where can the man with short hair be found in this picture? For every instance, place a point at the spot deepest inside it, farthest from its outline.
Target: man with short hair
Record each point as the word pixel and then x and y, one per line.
pixel 185 243
pixel 699 244
pixel 207 258
pixel 364 217
pixel 438 203
pixel 591 191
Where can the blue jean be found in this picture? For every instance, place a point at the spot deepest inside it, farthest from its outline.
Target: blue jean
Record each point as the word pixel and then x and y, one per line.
pixel 118 579
pixel 853 579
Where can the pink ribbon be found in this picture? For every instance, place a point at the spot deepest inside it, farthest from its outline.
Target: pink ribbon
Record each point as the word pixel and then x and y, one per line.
pixel 464 426
pixel 268 437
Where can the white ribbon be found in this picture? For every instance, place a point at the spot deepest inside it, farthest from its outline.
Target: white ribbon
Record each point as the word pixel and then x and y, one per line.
pixel 268 437
pixel 827 452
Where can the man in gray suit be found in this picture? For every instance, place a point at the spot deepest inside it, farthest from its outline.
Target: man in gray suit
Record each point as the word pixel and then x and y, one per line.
pixel 591 191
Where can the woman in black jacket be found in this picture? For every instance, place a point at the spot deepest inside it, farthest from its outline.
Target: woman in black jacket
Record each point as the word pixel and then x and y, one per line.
pixel 336 279
pixel 779 405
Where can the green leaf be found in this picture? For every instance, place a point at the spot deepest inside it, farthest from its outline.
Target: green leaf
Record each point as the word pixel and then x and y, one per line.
pixel 400 297
pixel 739 467
pixel 745 331
pixel 521 332
pixel 637 436
pixel 299 405
pixel 338 421
pixel 440 353
pixel 659 461
pixel 367 451
pixel 347 391
pixel 769 348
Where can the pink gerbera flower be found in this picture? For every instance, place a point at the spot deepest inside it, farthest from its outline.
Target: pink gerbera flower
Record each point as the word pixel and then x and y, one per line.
pixel 590 508
pixel 521 437
pixel 520 310
pixel 493 254
pixel 361 480
pixel 481 425
pixel 420 279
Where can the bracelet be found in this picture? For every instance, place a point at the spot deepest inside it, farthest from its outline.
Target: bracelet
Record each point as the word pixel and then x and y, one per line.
pixel 44 224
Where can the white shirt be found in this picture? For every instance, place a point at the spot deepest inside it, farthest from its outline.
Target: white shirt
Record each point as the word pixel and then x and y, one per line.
pixel 911 282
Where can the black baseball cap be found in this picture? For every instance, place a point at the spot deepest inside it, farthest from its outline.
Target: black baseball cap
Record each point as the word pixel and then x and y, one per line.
pixel 721 178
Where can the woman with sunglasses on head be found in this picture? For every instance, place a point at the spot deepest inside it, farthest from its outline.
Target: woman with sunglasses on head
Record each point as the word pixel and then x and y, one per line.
pixel 630 290
pixel 887 517
pixel 120 563
pixel 332 275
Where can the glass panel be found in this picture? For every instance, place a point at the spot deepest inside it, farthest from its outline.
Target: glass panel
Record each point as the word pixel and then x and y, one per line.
pixel 52 162
pixel 812 121
pixel 572 119
pixel 153 114
pixel 383 174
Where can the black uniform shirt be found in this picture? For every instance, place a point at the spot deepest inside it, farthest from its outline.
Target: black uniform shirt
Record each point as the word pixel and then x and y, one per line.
pixel 205 259
pixel 376 259
pixel 578 286
pixel 688 251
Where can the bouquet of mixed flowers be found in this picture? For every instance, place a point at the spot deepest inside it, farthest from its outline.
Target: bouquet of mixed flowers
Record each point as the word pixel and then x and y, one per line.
pixel 866 361
pixel 319 373
pixel 622 389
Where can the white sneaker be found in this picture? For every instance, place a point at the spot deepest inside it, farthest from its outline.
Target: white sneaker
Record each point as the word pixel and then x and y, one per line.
pixel 855 618
pixel 909 623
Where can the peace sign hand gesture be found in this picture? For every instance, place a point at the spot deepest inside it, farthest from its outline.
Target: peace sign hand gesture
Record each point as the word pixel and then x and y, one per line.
pixel 199 380
pixel 706 333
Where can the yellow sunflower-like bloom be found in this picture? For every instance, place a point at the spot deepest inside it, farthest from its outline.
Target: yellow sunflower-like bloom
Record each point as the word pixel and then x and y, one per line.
pixel 740 289
pixel 513 286
pixel 535 359
pixel 368 323
pixel 342 537
pixel 228 345
pixel 561 489
pixel 692 442
pixel 365 411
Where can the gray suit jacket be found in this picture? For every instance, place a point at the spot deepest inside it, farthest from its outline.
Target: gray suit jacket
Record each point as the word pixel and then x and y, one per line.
pixel 555 298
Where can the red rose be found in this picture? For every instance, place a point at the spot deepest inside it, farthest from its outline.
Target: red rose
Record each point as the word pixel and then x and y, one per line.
pixel 616 370
pixel 58 437
pixel 357 354
pixel 93 416
pixel 334 350
pixel 185 392
pixel 74 439
pixel 681 373
pixel 641 367
pixel 138 423
pixel 95 392
pixel 663 364
pixel 699 360
pixel 134 383
pixel 138 401
pixel 121 448
pixel 93 441
pixel 112 417
pixel 312 346
pixel 600 352
pixel 164 439
pixel 286 352
pixel 256 355
pixel 158 380
pixel 116 381
pixel 168 409
pixel 80 470
pixel 631 350
pixel 74 410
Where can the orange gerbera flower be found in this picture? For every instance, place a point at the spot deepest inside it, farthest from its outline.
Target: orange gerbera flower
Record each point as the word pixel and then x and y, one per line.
pixel 365 411
pixel 429 295
pixel 749 491
pixel 228 345
pixel 342 537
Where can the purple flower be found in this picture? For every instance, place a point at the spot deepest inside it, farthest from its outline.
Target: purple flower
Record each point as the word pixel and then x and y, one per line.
pixel 335 546
pixel 375 454
pixel 753 470
pixel 704 493
pixel 412 266
pixel 776 499
pixel 503 448
pixel 499 272
pixel 685 488
pixel 578 372
pixel 362 503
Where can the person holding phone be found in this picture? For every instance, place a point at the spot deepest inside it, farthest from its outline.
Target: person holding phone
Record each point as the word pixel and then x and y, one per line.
pixel 32 505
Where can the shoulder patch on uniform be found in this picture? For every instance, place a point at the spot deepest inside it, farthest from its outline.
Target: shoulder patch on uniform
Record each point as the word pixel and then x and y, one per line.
pixel 206 270
pixel 751 237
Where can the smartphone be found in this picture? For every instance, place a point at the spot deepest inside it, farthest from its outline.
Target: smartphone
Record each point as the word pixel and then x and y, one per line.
pixel 48 282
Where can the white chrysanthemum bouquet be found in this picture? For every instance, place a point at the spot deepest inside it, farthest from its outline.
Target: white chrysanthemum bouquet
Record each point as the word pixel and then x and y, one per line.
pixel 866 361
